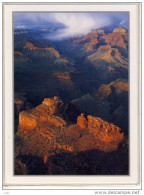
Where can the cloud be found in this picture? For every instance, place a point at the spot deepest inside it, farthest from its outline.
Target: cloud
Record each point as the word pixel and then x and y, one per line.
pixel 76 24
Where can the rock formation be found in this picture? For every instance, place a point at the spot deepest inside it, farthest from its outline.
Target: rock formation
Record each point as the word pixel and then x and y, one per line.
pixel 31 119
pixel 120 30
pixel 30 47
pixel 110 55
pixel 82 122
pixel 118 38
pixel 46 120
pixel 105 90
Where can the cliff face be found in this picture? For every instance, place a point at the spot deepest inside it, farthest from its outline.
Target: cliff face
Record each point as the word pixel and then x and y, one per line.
pixel 105 90
pixel 30 47
pixel 118 38
pixel 46 120
pixel 32 119
pixel 108 54
pixel 46 136
pixel 120 30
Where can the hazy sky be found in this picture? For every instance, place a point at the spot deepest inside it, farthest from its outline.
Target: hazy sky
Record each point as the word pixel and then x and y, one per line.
pixel 75 23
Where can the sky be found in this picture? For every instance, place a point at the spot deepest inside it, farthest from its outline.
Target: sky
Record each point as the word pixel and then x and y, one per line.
pixel 75 24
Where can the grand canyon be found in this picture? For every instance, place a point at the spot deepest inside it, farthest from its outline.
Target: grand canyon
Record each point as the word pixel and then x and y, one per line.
pixel 71 102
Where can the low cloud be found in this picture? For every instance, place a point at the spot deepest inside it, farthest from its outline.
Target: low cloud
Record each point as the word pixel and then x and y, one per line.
pixel 75 24
pixel 78 24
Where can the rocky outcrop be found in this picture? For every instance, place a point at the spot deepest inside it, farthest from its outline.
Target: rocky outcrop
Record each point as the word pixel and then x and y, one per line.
pixel 102 130
pixel 46 119
pixel 53 51
pixel 91 39
pixel 27 122
pixel 93 35
pixel 120 30
pixel 96 38
pixel 47 134
pixel 32 119
pixel 119 38
pixel 105 90
pixel 30 47
pixel 54 105
pixel 104 47
pixel 93 133
pixel 111 55
pixel 82 122
pixel 115 40
pixel 92 44
pixel 99 31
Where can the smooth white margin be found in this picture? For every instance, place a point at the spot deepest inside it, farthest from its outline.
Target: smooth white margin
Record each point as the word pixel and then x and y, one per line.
pixel 132 181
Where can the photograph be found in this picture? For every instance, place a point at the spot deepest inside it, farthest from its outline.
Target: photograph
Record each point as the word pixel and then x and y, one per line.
pixel 71 93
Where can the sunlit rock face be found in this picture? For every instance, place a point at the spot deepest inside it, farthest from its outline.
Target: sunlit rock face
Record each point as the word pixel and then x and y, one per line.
pixel 120 30
pixel 31 119
pixel 31 47
pixel 117 87
pixel 98 39
pixel 88 133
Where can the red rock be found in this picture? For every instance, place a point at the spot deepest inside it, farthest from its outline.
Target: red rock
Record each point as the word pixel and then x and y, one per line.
pixel 56 121
pixel 43 118
pixel 65 76
pixel 92 44
pixel 27 122
pixel 49 101
pixel 82 121
pixel 53 51
pixel 120 30
pixel 30 47
pixel 53 104
pixel 104 47
pixel 88 133
pixel 119 38
pixel 116 39
pixel 104 131
pixel 42 114
pixel 105 90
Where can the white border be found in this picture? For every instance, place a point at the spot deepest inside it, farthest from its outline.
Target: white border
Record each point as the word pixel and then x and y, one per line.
pixel 133 181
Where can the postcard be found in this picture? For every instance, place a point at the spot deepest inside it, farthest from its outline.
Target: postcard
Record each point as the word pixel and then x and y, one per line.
pixel 71 86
